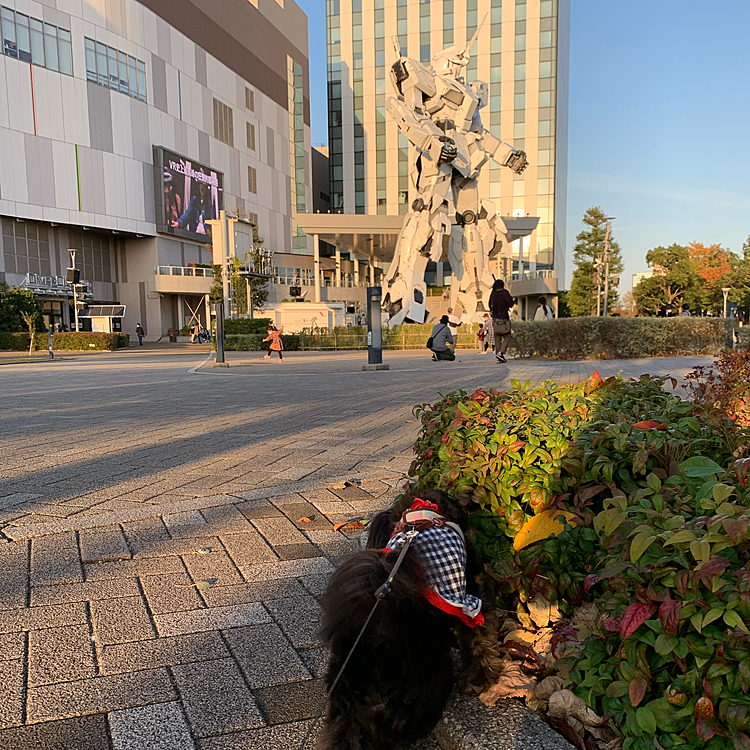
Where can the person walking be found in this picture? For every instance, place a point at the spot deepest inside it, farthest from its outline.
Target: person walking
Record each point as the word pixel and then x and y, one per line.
pixel 543 312
pixel 140 333
pixel 453 323
pixel 489 334
pixel 440 340
pixel 500 305
pixel 277 345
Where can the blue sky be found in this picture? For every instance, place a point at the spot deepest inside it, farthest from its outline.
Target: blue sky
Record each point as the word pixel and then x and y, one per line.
pixel 659 120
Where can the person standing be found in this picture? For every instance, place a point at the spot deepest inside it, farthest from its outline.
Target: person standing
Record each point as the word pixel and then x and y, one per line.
pixel 140 333
pixel 453 323
pixel 686 311
pixel 489 333
pixel 543 312
pixel 500 304
pixel 440 340
pixel 277 345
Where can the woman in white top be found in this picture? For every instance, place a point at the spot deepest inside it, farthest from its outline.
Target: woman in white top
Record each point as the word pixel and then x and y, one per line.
pixel 543 312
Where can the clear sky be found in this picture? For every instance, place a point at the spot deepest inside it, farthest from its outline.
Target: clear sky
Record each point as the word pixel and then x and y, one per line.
pixel 659 120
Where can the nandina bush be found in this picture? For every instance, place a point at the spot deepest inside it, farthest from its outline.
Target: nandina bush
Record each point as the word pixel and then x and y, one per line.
pixel 725 385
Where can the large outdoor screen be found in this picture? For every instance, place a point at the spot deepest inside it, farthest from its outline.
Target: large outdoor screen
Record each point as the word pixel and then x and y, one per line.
pixel 188 195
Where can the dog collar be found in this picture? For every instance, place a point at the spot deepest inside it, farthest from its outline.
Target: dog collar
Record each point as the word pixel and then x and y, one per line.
pixel 413 517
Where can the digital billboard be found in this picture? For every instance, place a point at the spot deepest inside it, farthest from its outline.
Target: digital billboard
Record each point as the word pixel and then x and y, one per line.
pixel 188 195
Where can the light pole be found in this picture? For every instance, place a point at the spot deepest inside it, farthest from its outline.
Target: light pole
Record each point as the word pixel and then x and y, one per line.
pixel 75 286
pixel 726 290
pixel 607 240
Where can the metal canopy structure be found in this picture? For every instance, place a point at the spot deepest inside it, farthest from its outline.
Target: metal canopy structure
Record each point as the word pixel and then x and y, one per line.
pixel 103 311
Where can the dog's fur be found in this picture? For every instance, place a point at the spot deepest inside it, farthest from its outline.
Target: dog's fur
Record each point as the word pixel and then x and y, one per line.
pixel 398 681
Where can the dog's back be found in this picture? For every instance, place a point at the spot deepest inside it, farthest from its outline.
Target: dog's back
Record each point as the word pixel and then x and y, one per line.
pixel 400 676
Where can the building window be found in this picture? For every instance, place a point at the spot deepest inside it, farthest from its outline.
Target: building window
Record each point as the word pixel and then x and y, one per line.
pixel 26 247
pixel 223 123
pixel 249 99
pixel 114 69
pixel 92 255
pixel 251 136
pixel 33 41
pixel 252 180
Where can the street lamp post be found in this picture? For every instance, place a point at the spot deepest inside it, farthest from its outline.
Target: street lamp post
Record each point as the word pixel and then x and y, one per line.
pixel 725 290
pixel 607 240
pixel 75 286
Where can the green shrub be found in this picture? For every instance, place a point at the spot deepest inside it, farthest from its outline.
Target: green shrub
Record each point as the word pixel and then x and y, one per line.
pixel 83 340
pixel 617 338
pixel 254 342
pixel 18 342
pixel 725 385
pixel 245 326
pixel 15 300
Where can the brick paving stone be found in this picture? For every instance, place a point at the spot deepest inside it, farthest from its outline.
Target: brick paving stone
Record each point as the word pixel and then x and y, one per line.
pixel 279 531
pixel 11 693
pixel 87 591
pixel 218 596
pixel 79 733
pixel 292 702
pixel 106 543
pixel 37 618
pixel 171 593
pixel 121 620
pixel 286 569
pixel 216 564
pixel 12 646
pixel 186 545
pixel 294 511
pixel 161 726
pixel 99 694
pixel 225 520
pixel 54 559
pixel 147 530
pixel 258 509
pixel 299 617
pixel 265 656
pixel 190 523
pixel 316 660
pixel 14 576
pixel 133 568
pixel 216 698
pixel 162 652
pixel 316 584
pixel 297 551
pixel 60 655
pixel 215 618
pixel 279 737
pixel 333 542
pixel 247 548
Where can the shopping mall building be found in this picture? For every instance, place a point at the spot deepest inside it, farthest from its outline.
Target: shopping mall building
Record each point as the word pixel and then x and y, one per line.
pixel 125 127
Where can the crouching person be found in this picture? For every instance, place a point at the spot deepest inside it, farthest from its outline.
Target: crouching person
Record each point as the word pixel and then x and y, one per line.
pixel 440 339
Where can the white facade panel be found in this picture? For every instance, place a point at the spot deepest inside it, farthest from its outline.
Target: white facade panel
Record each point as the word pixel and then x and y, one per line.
pixel 18 81
pixel 66 180
pixel 48 100
pixel 13 184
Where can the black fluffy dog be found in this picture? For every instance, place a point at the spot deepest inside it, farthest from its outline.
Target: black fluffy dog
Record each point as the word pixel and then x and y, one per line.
pixel 396 685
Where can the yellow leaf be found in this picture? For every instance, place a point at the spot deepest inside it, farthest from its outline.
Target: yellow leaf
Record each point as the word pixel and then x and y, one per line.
pixel 539 527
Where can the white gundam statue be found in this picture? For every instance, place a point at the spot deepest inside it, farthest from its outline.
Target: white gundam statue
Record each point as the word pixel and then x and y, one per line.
pixel 439 113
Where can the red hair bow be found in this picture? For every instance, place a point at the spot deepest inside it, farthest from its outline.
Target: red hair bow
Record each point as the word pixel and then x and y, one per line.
pixel 419 503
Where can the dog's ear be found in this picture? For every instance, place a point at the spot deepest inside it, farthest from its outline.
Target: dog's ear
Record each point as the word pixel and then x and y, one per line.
pixel 379 530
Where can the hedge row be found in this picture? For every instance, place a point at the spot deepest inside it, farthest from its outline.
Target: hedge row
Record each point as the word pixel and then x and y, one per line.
pixel 253 342
pixel 617 338
pixel 246 326
pixel 19 342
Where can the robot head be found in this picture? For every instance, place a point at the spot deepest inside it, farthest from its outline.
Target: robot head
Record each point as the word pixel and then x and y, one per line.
pixel 451 62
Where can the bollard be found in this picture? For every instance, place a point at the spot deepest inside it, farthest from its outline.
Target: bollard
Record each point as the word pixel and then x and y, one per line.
pixel 49 344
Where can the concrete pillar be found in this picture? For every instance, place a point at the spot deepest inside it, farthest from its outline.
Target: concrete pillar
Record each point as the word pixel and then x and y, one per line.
pixel 180 312
pixel 372 272
pixel 208 312
pixel 356 269
pixel 316 265
pixel 439 274
pixel 338 266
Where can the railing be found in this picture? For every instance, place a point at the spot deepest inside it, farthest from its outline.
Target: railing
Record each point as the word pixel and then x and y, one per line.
pixel 392 340
pixel 183 271
pixel 535 275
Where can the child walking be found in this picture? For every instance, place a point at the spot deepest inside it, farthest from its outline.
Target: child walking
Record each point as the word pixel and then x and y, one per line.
pixel 274 336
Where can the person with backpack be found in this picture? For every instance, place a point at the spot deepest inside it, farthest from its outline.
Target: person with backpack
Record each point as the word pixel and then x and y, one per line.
pixel 501 303
pixel 439 341
pixel 543 312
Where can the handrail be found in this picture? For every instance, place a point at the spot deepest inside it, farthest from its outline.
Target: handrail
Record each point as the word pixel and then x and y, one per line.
pixel 183 271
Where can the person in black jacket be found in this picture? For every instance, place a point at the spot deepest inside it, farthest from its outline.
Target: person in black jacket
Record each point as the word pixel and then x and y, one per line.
pixel 500 305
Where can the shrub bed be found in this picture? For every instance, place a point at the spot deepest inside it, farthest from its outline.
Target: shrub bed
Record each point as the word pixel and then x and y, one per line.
pixel 254 342
pixel 73 341
pixel 622 501
pixel 618 338
pixel 244 326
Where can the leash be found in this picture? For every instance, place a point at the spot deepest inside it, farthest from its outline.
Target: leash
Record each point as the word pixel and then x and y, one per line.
pixel 380 594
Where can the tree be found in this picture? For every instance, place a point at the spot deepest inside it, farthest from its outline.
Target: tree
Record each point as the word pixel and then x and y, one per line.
pixel 563 310
pixel 260 256
pixel 674 281
pixel 14 301
pixel 588 255
pixel 216 292
pixel 713 265
pixel 30 320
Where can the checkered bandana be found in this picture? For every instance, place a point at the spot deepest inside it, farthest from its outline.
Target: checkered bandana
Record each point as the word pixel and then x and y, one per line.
pixel 443 556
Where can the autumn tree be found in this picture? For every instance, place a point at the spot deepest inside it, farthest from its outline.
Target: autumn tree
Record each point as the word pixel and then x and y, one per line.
pixel 588 256
pixel 714 267
pixel 674 281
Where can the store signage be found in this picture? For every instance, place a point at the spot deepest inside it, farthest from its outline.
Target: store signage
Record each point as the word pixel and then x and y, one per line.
pixel 52 285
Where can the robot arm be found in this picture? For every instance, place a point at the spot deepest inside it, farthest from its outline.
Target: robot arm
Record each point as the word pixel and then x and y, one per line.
pixel 422 132
pixel 503 153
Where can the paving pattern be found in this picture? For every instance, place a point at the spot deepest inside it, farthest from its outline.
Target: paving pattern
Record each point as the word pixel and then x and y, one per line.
pixel 158 586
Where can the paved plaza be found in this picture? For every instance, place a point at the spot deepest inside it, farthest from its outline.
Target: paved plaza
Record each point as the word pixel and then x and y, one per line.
pixel 167 529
